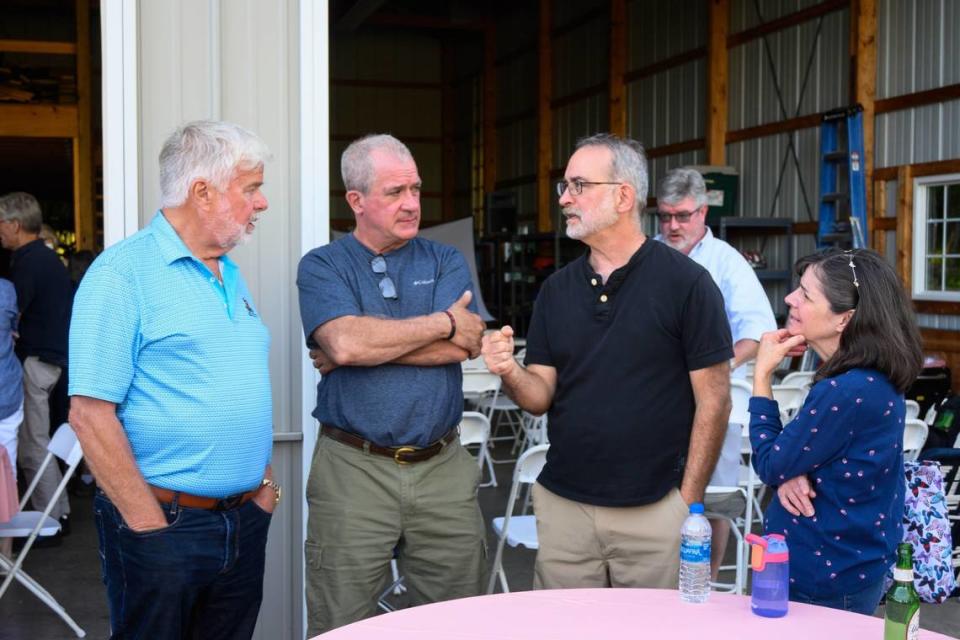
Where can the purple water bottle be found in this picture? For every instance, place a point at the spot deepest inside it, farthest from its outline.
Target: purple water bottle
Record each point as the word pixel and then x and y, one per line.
pixel 770 560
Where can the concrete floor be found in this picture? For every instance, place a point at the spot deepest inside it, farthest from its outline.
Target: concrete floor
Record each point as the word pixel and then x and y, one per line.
pixel 71 573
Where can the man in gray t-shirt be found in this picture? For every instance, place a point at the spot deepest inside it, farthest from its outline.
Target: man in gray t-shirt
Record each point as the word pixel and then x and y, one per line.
pixel 389 317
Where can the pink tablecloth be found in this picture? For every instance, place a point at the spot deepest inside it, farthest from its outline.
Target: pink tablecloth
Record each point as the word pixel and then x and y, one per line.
pixel 577 614
pixel 8 488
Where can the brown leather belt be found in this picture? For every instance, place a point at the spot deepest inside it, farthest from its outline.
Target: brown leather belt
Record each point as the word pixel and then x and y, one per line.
pixel 167 496
pixel 400 455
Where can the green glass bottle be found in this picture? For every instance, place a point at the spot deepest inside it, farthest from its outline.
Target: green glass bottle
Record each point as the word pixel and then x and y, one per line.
pixel 902 617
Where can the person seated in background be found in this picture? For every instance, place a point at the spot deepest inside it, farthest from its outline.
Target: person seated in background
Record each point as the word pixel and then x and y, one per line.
pixel 11 406
pixel 838 465
pixel 682 214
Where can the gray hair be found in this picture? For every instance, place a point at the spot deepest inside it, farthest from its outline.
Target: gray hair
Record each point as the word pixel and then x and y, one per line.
pixel 356 166
pixel 682 183
pixel 23 208
pixel 206 150
pixel 629 162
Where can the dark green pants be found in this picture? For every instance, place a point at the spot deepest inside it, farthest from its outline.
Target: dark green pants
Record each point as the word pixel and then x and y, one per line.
pixel 364 505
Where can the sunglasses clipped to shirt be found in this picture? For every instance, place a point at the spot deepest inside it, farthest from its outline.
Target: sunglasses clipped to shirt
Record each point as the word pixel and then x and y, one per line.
pixel 387 289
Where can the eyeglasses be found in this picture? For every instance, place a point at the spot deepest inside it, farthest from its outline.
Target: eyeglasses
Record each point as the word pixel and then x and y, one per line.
pixel 681 217
pixel 576 186
pixel 387 288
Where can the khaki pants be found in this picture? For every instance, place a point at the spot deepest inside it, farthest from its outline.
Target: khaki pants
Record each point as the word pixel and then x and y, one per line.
pixel 583 546
pixel 39 379
pixel 362 506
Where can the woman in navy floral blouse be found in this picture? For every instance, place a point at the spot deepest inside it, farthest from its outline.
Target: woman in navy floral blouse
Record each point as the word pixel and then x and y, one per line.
pixel 838 464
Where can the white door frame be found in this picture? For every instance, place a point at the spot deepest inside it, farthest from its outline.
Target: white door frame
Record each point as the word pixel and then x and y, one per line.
pixel 314 194
pixel 121 114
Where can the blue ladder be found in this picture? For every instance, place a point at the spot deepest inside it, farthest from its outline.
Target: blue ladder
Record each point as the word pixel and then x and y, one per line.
pixel 835 228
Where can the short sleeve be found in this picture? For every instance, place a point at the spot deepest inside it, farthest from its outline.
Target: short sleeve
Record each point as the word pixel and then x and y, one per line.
pixel 747 304
pixel 104 336
pixel 538 343
pixel 453 279
pixel 706 332
pixel 324 293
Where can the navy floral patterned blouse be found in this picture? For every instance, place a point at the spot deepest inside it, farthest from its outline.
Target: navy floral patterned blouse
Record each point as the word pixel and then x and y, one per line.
pixel 847 439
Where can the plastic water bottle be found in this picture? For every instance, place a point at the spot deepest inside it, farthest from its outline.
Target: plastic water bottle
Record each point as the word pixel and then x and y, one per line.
pixel 695 556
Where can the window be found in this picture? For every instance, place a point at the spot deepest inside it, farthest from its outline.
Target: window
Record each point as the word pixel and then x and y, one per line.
pixel 936 233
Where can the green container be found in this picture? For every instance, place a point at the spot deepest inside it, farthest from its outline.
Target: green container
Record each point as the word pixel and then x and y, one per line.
pixel 722 186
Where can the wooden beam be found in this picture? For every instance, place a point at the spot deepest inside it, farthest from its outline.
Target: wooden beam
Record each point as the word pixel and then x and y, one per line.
pixel 676 147
pixel 863 25
pixel 905 226
pixel 879 223
pixel 83 221
pixel 448 115
pixel 489 110
pixel 920 170
pixel 717 65
pixel 582 94
pixel 943 340
pixel 545 118
pixel 385 84
pixel 918 99
pixel 773 128
pixel 618 65
pixel 784 22
pixel 38 120
pixel 665 64
pixel 38 46
pixel 884 224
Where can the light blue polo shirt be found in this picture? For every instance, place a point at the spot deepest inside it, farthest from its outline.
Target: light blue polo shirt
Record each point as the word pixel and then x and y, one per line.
pixel 182 356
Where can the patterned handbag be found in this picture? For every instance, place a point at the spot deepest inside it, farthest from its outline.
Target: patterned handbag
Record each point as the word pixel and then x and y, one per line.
pixel 927 528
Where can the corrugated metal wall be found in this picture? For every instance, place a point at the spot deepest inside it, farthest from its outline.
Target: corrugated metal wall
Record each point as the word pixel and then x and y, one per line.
pixel 411 113
pixel 517 70
pixel 207 59
pixel 917 50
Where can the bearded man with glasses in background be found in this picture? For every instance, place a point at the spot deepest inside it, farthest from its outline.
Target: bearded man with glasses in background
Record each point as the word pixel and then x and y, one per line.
pixel 389 317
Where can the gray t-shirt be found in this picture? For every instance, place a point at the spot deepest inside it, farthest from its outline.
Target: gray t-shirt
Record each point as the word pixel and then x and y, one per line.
pixel 390 405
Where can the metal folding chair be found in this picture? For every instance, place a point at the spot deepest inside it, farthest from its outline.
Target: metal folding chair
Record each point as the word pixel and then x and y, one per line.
pixel 517 530
pixel 30 524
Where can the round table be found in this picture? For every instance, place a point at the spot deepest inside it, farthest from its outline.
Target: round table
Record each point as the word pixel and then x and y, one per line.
pixel 577 614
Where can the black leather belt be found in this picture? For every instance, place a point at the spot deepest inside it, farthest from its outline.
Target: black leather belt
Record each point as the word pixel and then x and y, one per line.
pixel 400 455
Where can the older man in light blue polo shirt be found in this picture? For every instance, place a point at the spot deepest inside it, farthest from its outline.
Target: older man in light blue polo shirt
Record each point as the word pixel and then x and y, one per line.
pixel 171 399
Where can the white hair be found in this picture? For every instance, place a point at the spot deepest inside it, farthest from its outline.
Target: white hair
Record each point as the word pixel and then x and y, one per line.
pixel 682 183
pixel 206 150
pixel 628 162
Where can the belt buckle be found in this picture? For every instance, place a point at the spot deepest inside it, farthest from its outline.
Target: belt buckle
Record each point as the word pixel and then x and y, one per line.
pixel 402 450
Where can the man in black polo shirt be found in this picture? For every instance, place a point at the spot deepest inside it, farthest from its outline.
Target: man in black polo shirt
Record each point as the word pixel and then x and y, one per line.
pixel 628 350
pixel 45 298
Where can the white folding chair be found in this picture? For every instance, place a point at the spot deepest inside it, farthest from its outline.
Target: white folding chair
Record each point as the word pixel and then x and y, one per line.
pixel 740 392
pixel 914 437
pixel 475 430
pixel 30 524
pixel 913 409
pixel 481 390
pixel 517 530
pixel 740 568
pixel 790 398
pixel 799 378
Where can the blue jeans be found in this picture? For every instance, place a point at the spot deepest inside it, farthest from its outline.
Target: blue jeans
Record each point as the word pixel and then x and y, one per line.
pixel 864 601
pixel 199 577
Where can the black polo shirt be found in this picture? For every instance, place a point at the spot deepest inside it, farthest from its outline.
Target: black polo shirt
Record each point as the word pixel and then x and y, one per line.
pixel 622 413
pixel 45 298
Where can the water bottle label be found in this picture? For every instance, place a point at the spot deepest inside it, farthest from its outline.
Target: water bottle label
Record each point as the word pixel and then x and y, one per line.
pixel 694 551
